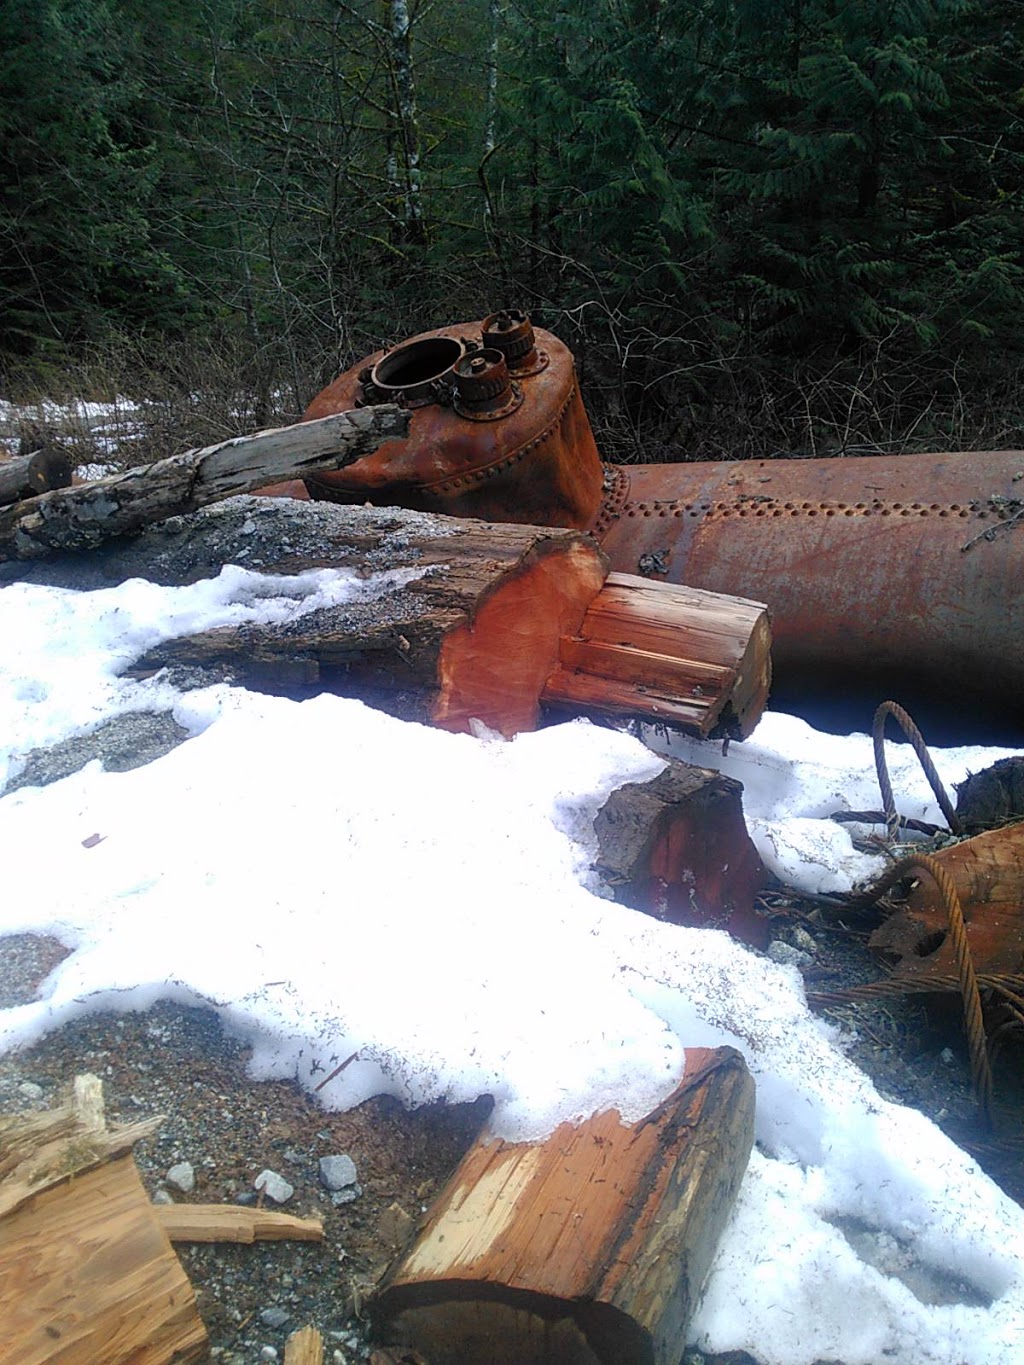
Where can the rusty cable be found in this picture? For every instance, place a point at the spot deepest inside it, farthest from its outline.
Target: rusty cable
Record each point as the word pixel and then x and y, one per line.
pixel 967 980
pixel 913 734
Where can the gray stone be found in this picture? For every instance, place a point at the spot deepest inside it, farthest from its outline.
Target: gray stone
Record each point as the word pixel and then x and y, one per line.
pixel 274 1317
pixel 274 1186
pixel 162 1196
pixel 337 1172
pixel 28 1090
pixel 346 1196
pixel 182 1176
pixel 787 955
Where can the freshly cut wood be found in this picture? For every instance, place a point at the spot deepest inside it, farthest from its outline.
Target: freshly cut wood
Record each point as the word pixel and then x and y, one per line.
pixel 677 848
pixel 26 476
pixel 684 656
pixel 591 1246
pixel 988 873
pixel 86 1272
pixel 472 634
pixel 481 629
pixel 234 1223
pixel 85 515
pixel 304 1347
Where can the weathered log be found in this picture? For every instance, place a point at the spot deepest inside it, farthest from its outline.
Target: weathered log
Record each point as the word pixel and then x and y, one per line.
pixel 83 516
pixel 26 476
pixel 687 657
pixel 988 874
pixel 86 1272
pixel 591 1246
pixel 495 613
pixel 677 848
pixel 234 1223
pixel 474 635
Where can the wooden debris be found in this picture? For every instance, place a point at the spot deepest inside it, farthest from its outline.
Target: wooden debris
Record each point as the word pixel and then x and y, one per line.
pixel 988 873
pixel 677 848
pixel 26 476
pixel 304 1347
pixel 234 1223
pixel 83 516
pixel 591 1246
pixel 700 660
pixel 87 1274
pixel 495 628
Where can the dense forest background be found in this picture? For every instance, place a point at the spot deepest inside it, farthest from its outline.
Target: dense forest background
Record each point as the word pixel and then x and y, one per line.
pixel 764 226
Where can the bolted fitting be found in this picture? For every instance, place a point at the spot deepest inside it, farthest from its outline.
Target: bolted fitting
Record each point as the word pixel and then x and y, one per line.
pixel 511 332
pixel 483 389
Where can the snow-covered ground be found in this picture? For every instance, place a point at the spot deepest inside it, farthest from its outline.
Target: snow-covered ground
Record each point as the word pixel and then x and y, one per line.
pixel 334 881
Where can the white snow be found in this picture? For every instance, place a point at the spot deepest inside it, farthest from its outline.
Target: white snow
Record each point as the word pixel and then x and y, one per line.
pixel 332 881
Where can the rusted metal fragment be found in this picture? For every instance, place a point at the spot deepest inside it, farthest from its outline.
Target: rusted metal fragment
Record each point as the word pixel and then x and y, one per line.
pixel 988 873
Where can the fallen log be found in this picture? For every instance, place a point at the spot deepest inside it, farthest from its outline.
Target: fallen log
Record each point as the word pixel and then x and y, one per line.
pixel 26 476
pixel 591 1246
pixel 677 848
pixel 490 615
pixel 83 516
pixel 86 1272
pixel 234 1223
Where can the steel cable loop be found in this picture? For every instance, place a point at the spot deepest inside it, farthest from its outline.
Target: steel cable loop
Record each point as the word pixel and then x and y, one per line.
pixel 981 1071
pixel 906 724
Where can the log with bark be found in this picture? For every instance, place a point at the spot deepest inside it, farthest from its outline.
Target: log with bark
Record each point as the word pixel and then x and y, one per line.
pixel 677 848
pixel 87 1274
pixel 488 621
pixel 588 1247
pixel 83 516
pixel 26 476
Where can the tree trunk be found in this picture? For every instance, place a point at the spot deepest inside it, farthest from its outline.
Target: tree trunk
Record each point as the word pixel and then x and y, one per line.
pixel 488 628
pixel 677 848
pixel 589 1248
pixel 83 516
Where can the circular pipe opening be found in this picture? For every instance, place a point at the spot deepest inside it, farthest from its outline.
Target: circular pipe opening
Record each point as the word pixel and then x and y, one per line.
pixel 416 363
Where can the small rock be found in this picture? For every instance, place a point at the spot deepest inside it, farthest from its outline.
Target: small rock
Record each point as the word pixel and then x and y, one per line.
pixel 948 1056
pixel 346 1196
pixel 337 1172
pixel 274 1186
pixel 268 1353
pixel 162 1196
pixel 28 1090
pixel 274 1317
pixel 786 955
pixel 803 940
pixel 182 1176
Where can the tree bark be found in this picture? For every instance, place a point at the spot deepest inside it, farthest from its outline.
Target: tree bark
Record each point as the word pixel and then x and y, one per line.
pixel 677 848
pixel 589 1247
pixel 83 516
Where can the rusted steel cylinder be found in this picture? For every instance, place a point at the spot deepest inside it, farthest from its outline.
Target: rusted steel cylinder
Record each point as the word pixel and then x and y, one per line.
pixel 897 575
pixel 907 567
pixel 523 453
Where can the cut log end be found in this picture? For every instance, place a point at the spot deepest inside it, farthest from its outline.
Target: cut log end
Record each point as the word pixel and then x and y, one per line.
pixel 590 1247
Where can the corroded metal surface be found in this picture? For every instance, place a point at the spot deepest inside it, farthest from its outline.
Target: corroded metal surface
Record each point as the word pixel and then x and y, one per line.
pixel 537 464
pixel 902 572
pixel 882 563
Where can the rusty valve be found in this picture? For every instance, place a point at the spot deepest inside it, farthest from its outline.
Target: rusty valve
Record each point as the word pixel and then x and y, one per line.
pixel 483 389
pixel 511 333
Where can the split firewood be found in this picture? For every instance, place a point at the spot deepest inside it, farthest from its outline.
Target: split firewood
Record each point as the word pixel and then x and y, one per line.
pixel 83 516
pixel 304 1347
pixel 86 1272
pixel 677 848
pixel 591 1245
pixel 234 1223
